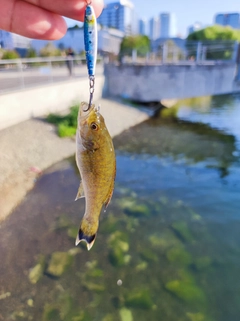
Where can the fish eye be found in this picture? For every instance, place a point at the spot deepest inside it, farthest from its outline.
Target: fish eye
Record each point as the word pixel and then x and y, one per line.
pixel 94 126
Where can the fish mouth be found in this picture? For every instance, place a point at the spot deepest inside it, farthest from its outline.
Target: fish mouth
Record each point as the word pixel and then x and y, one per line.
pixel 85 110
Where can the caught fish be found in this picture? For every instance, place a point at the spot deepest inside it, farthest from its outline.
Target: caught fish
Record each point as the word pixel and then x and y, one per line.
pixel 96 162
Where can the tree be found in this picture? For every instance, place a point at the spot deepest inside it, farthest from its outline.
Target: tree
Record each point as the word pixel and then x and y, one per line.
pixel 218 40
pixel 50 51
pixel 10 54
pixel 139 43
pixel 31 53
pixel 215 32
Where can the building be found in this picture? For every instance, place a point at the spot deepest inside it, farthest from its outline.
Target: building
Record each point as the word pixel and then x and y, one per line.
pixel 195 27
pixel 119 15
pixel 154 28
pixel 142 27
pixel 228 19
pixel 12 41
pixel 167 25
pixel 6 40
pixel 109 40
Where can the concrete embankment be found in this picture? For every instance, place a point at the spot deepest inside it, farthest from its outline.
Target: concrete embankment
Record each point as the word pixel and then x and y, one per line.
pixel 146 83
pixel 31 146
pixel 37 101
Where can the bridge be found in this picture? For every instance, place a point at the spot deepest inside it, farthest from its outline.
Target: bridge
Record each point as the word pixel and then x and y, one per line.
pixel 37 86
pixel 147 83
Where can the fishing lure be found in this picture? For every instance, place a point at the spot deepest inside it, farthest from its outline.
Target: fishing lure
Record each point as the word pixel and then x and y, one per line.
pixel 90 42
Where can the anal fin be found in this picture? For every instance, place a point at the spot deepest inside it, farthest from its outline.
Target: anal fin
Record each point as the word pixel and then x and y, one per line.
pixel 80 192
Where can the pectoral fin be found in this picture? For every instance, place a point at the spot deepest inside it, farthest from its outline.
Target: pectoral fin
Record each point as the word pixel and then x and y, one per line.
pixel 80 192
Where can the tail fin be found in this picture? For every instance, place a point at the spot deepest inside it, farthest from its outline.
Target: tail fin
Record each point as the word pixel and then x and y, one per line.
pixel 89 239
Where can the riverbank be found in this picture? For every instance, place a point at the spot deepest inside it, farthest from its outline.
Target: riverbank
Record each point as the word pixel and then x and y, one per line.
pixel 30 147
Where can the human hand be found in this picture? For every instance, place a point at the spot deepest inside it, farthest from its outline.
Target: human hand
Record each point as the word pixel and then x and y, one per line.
pixel 42 19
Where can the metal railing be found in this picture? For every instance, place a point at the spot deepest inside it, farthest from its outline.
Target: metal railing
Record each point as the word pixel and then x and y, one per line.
pixel 185 52
pixel 18 74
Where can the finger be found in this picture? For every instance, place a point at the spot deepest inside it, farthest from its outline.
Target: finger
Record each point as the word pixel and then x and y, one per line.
pixel 40 19
pixel 30 21
pixel 73 9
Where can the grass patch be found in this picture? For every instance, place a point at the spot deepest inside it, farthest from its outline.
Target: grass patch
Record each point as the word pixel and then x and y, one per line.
pixel 67 124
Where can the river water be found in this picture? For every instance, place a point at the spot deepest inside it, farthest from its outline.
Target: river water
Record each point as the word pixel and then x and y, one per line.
pixel 168 246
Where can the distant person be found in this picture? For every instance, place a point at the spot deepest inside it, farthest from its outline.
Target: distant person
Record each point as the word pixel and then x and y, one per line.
pixel 42 21
pixel 70 55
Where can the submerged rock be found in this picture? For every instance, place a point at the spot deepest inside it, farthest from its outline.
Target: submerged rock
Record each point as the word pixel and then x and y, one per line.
pixel 126 314
pixel 148 255
pixel 194 216
pixel 62 222
pixel 117 257
pixel 93 287
pixel 196 316
pixel 37 271
pixel 203 262
pixel 182 231
pixel 179 255
pixel 72 232
pixel 109 317
pixel 59 263
pixel 139 299
pixel 141 266
pixel 132 207
pixel 109 225
pixel 186 289
pixel 50 313
pixel 74 251
pixel 118 248
pixel 163 242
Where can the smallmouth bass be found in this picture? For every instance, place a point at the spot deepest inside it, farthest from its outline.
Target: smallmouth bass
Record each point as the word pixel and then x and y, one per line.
pixel 95 158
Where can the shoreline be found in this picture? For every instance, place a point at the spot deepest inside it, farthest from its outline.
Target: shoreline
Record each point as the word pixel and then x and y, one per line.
pixel 32 146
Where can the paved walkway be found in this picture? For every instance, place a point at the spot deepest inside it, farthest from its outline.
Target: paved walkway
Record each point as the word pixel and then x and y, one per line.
pixel 30 147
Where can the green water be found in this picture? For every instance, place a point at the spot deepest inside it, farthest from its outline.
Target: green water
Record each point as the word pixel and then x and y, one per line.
pixel 168 247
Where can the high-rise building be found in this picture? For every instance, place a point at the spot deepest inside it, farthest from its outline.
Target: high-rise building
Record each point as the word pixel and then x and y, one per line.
pixel 195 27
pixel 167 25
pixel 154 28
pixel 228 19
pixel 6 40
pixel 119 15
pixel 142 25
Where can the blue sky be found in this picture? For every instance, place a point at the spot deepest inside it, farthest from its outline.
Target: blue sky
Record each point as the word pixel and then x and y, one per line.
pixel 187 11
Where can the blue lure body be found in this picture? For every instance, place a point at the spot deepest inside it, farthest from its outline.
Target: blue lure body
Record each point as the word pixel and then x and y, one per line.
pixel 90 40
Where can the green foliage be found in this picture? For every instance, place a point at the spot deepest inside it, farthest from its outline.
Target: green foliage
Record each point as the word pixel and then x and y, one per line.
pixel 210 36
pixel 76 27
pixel 50 51
pixel 215 32
pixel 31 53
pixel 139 43
pixel 186 289
pixel 139 298
pixel 10 54
pixel 67 124
pixel 66 131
